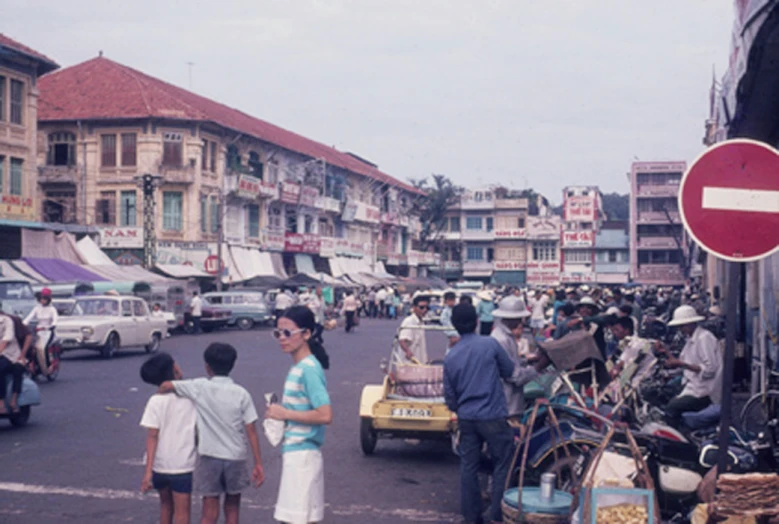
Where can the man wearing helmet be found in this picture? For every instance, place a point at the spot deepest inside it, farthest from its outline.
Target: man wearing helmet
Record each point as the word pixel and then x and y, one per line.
pixel 45 317
pixel 702 364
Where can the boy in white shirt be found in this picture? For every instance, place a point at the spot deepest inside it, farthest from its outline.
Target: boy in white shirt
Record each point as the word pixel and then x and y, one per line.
pixel 171 453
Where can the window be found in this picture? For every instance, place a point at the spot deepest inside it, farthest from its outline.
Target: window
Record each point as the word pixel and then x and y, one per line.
pixel 214 214
pixel 256 165
pixel 204 156
pixel 273 174
pixel 254 221
pixel 544 251
pixel 612 256
pixel 127 308
pixel 203 214
pixel 16 176
pixel 128 149
pixel 128 208
pixel 139 308
pixel 233 158
pixel 490 254
pixel 212 163
pixel 17 102
pixel 521 222
pixel 2 98
pixel 578 256
pixel 473 222
pixel 490 224
pixel 172 210
pixel 62 149
pixel 326 228
pixel 172 149
pixel 454 224
pixel 274 218
pixel 308 224
pixel 475 253
pixel 105 209
pixel 291 222
pixel 108 150
pixel 514 254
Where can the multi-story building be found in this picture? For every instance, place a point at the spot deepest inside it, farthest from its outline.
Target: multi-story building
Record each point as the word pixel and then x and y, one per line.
pixel 582 215
pixel 612 253
pixel 20 69
pixel 510 251
pixel 477 218
pixel 220 174
pixel 543 250
pixel 659 252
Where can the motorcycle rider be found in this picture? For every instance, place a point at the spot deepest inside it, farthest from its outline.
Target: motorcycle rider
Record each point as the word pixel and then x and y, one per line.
pixel 45 316
pixel 702 364
pixel 13 351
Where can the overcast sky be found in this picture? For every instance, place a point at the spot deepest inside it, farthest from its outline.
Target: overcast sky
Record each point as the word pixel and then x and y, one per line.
pixel 524 93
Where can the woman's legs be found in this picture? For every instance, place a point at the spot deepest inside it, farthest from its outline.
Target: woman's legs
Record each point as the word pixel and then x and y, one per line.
pixel 5 369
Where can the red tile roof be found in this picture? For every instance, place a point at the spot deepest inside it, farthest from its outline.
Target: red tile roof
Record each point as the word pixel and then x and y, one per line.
pixel 48 63
pixel 103 89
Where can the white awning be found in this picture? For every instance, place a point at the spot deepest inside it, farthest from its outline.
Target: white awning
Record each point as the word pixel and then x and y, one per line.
pixel 8 271
pixel 476 273
pixel 118 273
pixel 182 271
pixel 304 264
pixel 92 254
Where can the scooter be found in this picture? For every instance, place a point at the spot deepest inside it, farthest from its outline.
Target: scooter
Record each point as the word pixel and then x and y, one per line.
pixel 54 353
pixel 29 396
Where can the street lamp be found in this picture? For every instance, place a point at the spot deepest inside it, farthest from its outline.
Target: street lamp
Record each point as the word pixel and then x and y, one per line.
pixel 148 183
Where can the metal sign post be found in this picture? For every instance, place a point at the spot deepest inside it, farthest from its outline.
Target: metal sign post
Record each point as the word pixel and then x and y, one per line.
pixel 734 273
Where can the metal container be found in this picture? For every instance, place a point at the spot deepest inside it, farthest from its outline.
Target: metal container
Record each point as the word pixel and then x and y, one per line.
pixel 548 481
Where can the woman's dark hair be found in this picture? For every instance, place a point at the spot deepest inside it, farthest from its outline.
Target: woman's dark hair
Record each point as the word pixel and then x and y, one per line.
pixel 568 309
pixel 304 319
pixel 157 369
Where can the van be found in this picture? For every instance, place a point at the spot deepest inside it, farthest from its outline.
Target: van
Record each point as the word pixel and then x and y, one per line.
pixel 248 308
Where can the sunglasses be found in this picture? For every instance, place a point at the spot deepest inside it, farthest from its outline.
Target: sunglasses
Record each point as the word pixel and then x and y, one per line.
pixel 286 333
pixel 423 307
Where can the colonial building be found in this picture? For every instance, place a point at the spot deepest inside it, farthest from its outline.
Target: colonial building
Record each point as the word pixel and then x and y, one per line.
pixel 20 69
pixel 582 216
pixel 219 173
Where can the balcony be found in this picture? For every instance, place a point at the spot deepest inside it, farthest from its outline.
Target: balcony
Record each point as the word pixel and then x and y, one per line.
pixel 470 204
pixel 58 175
pixel 451 235
pixel 658 217
pixel 664 190
pixel 657 243
pixel 477 234
pixel 511 203
pixel 382 250
pixel 178 175
pixel 477 266
pixel 662 274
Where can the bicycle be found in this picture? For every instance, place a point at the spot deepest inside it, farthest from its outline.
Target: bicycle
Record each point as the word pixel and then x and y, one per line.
pixel 761 412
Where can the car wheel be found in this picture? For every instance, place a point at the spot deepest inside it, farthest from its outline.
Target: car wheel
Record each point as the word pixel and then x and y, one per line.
pixel 244 324
pixel 154 345
pixel 111 345
pixel 20 419
pixel 368 436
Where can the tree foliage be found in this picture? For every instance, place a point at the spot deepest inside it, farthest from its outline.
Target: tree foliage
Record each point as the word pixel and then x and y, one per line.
pixel 616 206
pixel 441 194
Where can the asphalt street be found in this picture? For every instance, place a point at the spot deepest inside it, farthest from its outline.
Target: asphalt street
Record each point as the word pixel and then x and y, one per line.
pixel 80 457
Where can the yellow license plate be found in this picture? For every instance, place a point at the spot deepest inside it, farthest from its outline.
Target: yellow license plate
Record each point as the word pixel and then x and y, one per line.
pixel 411 413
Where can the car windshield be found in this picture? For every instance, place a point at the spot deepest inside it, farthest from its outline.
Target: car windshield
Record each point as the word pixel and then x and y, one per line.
pixel 104 307
pixel 66 309
pixel 16 291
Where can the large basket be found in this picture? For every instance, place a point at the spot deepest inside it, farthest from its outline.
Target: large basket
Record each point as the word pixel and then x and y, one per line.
pixel 512 515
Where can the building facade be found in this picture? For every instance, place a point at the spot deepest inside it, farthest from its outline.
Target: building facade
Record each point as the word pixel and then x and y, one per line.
pixel 219 175
pixel 612 253
pixel 659 250
pixel 582 216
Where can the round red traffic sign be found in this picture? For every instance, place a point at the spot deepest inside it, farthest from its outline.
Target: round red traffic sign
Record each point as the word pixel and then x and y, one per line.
pixel 213 265
pixel 729 200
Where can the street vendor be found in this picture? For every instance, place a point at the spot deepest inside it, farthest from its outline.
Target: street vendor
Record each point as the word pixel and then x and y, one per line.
pixel 412 337
pixel 590 319
pixel 702 364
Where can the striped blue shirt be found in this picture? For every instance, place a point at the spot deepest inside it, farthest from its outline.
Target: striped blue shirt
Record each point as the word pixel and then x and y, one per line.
pixel 304 390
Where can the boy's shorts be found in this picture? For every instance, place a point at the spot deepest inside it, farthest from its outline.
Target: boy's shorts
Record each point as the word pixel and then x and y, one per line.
pixel 176 482
pixel 215 476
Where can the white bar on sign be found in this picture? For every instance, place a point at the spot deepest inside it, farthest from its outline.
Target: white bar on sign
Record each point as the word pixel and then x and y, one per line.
pixel 730 199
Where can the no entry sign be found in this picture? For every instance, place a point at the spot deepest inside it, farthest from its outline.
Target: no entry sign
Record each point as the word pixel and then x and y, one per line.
pixel 729 200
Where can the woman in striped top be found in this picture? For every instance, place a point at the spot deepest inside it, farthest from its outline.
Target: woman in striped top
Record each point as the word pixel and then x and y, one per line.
pixel 305 408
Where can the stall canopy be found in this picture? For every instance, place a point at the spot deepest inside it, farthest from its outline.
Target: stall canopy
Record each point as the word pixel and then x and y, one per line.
pixel 304 264
pixel 278 265
pixel 246 263
pixel 263 282
pixel 91 253
pixel 182 271
pixel 19 270
pixel 50 245
pixel 127 274
pixel 56 270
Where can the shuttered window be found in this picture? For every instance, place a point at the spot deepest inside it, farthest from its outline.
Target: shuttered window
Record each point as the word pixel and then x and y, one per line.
pixel 129 149
pixel 108 150
pixel 172 149
pixel 172 211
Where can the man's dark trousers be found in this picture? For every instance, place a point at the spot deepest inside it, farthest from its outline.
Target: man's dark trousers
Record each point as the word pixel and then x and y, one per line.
pixel 499 438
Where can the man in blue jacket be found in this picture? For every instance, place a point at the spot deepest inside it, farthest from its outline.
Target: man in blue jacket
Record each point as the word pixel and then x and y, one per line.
pixel 473 389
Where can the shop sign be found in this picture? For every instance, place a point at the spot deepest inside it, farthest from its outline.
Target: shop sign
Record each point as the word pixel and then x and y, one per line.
pixel 543 228
pixel 326 247
pixel 350 211
pixel 128 258
pixel 290 193
pixel 121 237
pixel 15 207
pixel 413 258
pixel 341 246
pixel 356 249
pixel 543 278
pixel 248 187
pixel 273 239
pixel 390 218
pixel 301 243
pixel 452 266
pixel 508 265
pixel 190 253
pixel 544 266
pixel 308 196
pixel 366 213
pixel 578 238
pixel 577 278
pixel 580 209
pixel 269 190
pixel 510 233
pixel 328 204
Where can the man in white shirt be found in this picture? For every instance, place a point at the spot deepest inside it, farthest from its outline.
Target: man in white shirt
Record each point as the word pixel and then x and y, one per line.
pixel 411 337
pixel 45 317
pixel 283 302
pixel 538 311
pixel 196 311
pixel 350 310
pixel 11 362
pixel 381 298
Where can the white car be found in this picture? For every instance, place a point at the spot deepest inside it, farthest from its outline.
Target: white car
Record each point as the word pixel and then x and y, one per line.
pixel 108 323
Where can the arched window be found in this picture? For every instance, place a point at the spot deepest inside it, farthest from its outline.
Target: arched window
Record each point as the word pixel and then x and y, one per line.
pixel 62 149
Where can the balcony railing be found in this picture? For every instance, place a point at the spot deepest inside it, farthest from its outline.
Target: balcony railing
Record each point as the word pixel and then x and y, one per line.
pixel 178 175
pixel 658 217
pixel 450 235
pixel 58 175
pixel 511 203
pixel 477 234
pixel 659 273
pixel 665 190
pixel 657 242
pixel 470 204
pixel 477 265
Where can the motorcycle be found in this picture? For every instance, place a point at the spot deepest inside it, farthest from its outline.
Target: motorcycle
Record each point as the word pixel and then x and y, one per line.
pixel 54 355
pixel 29 396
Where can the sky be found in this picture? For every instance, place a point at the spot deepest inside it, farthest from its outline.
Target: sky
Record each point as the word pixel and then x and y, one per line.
pixel 522 93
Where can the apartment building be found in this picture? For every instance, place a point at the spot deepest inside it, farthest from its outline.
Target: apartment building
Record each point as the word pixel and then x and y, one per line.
pixel 20 69
pixel 543 250
pixel 220 173
pixel 582 216
pixel 612 253
pixel 658 246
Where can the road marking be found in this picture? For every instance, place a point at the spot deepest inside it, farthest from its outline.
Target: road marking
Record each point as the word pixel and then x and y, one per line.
pixel 95 493
pixel 730 199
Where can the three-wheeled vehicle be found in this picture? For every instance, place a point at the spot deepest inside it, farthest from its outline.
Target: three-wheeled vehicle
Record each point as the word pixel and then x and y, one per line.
pixel 409 403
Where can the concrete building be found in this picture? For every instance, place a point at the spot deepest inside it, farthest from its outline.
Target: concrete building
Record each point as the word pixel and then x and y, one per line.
pixel 543 250
pixel 659 252
pixel 221 173
pixel 612 253
pixel 20 69
pixel 582 216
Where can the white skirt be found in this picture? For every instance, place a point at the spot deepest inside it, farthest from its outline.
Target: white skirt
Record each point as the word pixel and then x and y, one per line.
pixel 302 490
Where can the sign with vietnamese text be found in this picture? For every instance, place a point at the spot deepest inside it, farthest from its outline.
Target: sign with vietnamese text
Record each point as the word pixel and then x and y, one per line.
pixel 578 238
pixel 248 187
pixel 301 243
pixel 543 228
pixel 510 233
pixel 577 278
pixel 15 207
pixel 273 239
pixel 508 265
pixel 290 193
pixel 308 196
pixel 326 247
pixel 121 237
pixel 580 209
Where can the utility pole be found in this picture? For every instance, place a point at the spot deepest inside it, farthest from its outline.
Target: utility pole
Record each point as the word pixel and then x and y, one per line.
pixel 148 183
pixel 220 238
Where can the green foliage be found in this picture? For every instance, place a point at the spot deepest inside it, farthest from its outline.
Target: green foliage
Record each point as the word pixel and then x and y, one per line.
pixel 616 206
pixel 441 194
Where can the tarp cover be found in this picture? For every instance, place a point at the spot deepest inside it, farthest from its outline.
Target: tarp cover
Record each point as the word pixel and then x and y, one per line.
pixel 50 245
pixel 9 269
pixel 182 271
pixel 56 270
pixel 576 350
pixel 304 264
pixel 126 273
pixel 278 265
pixel 92 254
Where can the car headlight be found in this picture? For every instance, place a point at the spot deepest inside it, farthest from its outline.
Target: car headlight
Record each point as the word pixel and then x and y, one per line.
pixel 87 331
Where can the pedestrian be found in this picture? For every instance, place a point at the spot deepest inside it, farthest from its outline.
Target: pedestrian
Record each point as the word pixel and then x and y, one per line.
pixel 702 364
pixel 381 299
pixel 538 307
pixel 196 311
pixel 452 337
pixel 283 301
pixel 630 299
pixel 349 309
pixel 473 390
pixel 171 453
pixel 564 314
pixel 558 303
pixel 372 309
pixel 412 337
pixel 226 419
pixel 484 310
pixel 12 360
pixel 156 311
pixel 305 408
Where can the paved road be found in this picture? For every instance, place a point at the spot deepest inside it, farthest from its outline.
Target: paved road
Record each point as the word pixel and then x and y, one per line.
pixel 79 459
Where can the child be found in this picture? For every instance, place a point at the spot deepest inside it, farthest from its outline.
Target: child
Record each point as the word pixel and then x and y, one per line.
pixel 225 421
pixel 170 442
pixel 306 409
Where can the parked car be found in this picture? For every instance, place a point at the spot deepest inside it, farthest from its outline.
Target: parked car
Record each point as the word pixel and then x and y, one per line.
pixel 213 318
pixel 16 296
pixel 248 308
pixel 109 323
pixel 65 307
